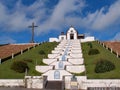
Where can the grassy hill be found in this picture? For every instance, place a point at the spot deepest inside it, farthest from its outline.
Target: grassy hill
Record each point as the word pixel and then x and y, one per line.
pixel 33 56
pixel 90 62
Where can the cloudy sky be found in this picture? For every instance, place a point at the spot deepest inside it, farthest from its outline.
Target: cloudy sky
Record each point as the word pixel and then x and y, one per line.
pixel 99 18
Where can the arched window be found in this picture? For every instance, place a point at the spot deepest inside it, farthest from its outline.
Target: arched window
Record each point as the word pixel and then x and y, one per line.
pixel 71 31
pixel 60 65
pixel 56 74
pixel 63 58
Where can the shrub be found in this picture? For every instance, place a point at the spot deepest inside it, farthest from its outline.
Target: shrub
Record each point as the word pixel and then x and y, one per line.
pixel 104 66
pixel 90 44
pixel 41 52
pixel 28 60
pixel 19 66
pixel 93 52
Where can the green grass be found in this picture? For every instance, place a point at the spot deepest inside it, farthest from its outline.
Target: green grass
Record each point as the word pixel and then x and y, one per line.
pixel 79 74
pixel 7 73
pixel 90 62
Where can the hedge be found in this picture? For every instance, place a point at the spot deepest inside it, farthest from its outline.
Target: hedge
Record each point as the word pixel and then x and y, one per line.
pixel 104 66
pixel 41 52
pixel 93 52
pixel 19 66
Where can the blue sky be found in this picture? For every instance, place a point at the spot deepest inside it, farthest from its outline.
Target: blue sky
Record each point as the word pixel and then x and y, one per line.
pixel 99 18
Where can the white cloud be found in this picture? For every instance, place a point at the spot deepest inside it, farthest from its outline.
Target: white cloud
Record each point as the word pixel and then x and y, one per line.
pixel 17 19
pixel 87 34
pixel 6 40
pixel 117 37
pixel 58 17
pixel 99 20
pixel 103 20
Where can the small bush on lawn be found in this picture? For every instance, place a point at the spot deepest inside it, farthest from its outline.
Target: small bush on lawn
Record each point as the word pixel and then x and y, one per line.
pixel 93 52
pixel 19 66
pixel 41 52
pixel 104 66
pixel 28 60
pixel 90 44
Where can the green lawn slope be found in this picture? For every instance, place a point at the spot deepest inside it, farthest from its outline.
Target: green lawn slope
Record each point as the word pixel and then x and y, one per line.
pixel 90 62
pixel 33 54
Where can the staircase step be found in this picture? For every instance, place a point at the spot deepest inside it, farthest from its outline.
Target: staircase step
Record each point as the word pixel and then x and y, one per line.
pixel 54 85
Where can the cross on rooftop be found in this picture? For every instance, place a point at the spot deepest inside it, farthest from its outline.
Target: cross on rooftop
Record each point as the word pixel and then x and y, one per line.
pixel 32 26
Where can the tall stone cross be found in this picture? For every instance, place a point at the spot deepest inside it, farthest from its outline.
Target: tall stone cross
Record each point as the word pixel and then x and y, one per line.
pixel 33 26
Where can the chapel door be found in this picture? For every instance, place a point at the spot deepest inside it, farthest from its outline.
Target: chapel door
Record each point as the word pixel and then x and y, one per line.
pixel 71 36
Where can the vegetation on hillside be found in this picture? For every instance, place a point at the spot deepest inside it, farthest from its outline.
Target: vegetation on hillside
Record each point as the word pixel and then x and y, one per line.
pixel 104 66
pixel 31 57
pixel 19 66
pixel 93 51
pixel 91 61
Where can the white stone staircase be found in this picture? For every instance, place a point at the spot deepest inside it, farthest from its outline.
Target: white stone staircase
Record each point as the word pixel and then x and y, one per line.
pixel 67 58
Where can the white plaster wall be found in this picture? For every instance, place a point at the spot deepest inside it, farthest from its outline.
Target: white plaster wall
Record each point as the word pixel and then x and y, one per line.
pixel 67 82
pixel 50 75
pixel 43 68
pixel 81 80
pixel 88 39
pixel 103 82
pixel 58 49
pixel 76 61
pixel 75 43
pixel 53 55
pixel 11 82
pixel 84 82
pixel 34 82
pixel 61 46
pixel 55 51
pixel 69 32
pixel 53 40
pixel 48 61
pixel 60 37
pixel 76 55
pixel 76 48
pixel 76 51
pixel 76 69
pixel 56 64
pixel 68 36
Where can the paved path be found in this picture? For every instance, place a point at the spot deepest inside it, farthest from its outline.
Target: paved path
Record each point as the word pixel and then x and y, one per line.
pixel 16 88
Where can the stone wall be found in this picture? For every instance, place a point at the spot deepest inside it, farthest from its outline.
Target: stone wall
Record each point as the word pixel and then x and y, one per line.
pixel 12 83
pixel 84 83
pixel 28 82
pixel 34 82
pixel 88 39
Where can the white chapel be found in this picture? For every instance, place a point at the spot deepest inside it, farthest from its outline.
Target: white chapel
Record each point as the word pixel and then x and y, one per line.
pixel 72 34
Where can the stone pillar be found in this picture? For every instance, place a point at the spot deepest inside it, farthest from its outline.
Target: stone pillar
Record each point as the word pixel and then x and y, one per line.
pixel 28 48
pixel 106 47
pixel 26 72
pixel 111 50
pixel 0 61
pixel 117 55
pixel 12 55
pixel 98 41
pixel 21 51
pixel 34 46
pixel 103 45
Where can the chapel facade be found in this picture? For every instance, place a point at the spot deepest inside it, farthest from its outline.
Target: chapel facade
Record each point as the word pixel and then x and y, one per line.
pixel 71 34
